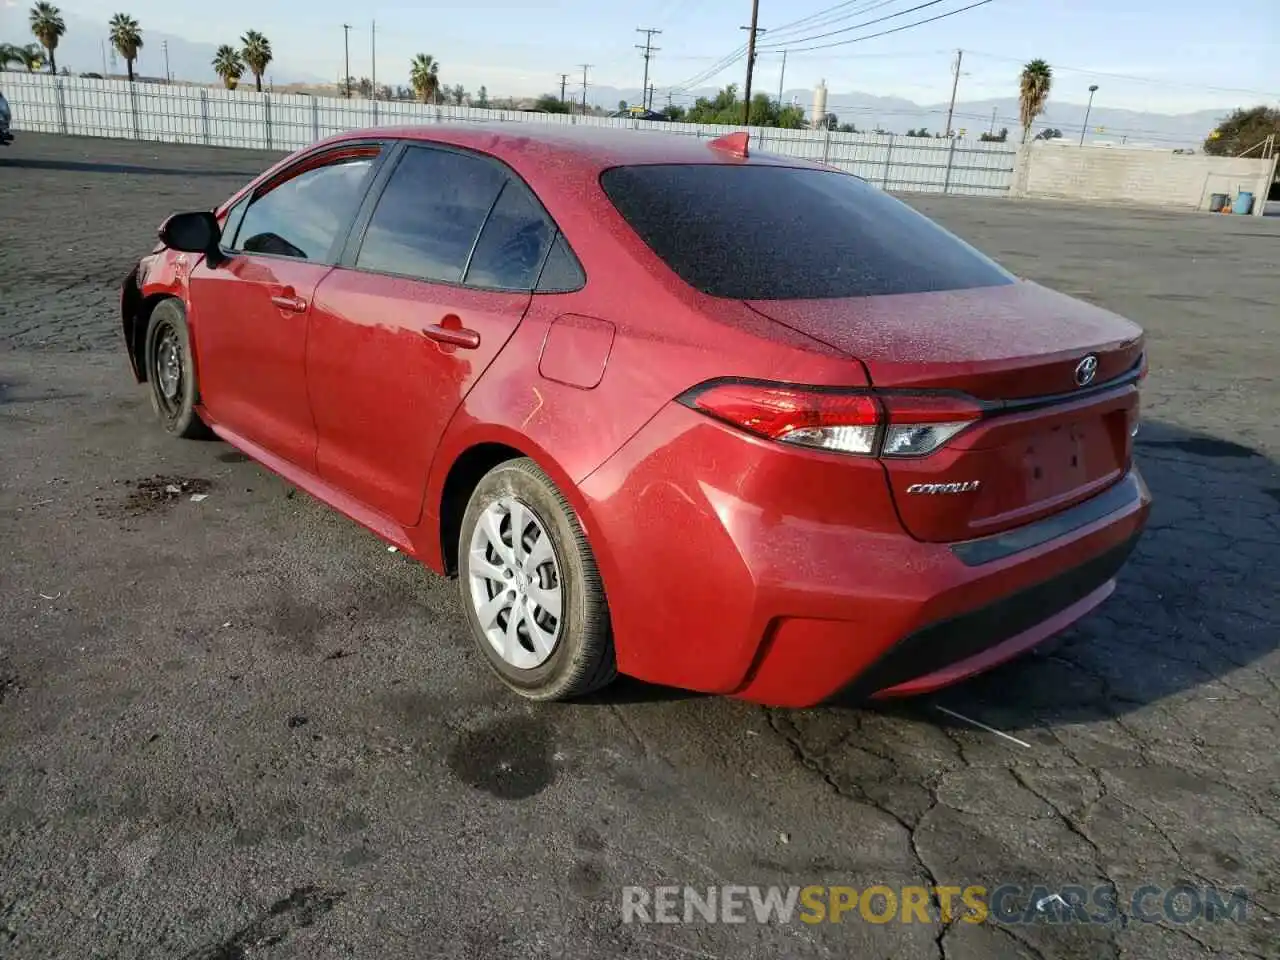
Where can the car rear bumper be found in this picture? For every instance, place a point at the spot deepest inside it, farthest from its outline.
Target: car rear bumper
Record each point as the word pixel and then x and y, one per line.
pixel 784 577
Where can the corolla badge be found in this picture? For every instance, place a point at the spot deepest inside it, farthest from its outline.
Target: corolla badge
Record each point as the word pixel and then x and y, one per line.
pixel 964 486
pixel 1086 370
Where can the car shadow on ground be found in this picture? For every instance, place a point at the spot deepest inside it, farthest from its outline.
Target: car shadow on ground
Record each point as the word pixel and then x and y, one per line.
pixel 1192 606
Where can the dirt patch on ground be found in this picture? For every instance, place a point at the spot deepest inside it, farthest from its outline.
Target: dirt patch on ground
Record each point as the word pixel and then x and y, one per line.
pixel 153 493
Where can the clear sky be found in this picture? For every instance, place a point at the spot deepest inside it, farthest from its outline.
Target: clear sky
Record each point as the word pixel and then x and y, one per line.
pixel 1161 55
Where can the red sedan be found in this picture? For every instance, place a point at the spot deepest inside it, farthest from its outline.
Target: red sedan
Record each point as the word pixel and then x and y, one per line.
pixel 735 423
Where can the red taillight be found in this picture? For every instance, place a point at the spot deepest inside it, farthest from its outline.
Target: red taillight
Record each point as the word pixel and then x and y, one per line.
pixel 846 422
pixel 855 422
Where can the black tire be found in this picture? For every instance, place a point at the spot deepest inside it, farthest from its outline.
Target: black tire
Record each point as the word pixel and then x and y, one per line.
pixel 582 658
pixel 173 403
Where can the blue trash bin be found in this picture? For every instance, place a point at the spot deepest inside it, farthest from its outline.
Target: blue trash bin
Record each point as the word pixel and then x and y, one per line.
pixel 1244 203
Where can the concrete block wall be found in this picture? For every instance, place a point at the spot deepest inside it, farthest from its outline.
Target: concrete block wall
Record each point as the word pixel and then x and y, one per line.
pixel 1139 176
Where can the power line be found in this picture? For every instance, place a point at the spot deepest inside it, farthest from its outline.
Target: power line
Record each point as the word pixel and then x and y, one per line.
pixel 819 19
pixel 885 33
pixel 868 23
pixel 724 63
pixel 1125 76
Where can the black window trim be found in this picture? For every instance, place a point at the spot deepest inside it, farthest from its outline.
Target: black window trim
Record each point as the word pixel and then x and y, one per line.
pixel 257 192
pixel 378 184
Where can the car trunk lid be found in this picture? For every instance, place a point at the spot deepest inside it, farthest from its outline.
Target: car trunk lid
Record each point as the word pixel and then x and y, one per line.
pixel 1045 440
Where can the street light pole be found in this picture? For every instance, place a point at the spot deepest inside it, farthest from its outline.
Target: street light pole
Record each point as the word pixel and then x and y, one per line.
pixel 346 60
pixel 1093 88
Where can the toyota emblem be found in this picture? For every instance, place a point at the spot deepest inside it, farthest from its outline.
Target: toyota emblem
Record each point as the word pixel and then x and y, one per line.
pixel 1086 370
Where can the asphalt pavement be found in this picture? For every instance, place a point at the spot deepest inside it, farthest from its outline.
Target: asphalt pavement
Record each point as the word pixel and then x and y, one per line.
pixel 238 726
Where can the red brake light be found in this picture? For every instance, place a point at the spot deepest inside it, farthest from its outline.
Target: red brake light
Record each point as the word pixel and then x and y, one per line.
pixel 845 422
pixel 842 421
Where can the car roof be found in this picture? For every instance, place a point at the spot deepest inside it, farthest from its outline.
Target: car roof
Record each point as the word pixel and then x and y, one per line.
pixel 579 144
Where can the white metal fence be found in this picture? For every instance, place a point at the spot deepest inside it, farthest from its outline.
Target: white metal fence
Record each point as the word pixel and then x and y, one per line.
pixel 271 121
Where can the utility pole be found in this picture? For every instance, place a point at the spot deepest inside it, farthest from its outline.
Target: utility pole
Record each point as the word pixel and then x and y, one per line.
pixel 992 131
pixel 954 84
pixel 564 79
pixel 585 68
pixel 649 50
pixel 751 59
pixel 649 103
pixel 103 45
pixel 346 60
pixel 782 76
pixel 167 75
pixel 373 58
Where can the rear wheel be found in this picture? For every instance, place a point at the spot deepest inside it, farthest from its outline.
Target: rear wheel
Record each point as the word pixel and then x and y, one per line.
pixel 171 372
pixel 530 587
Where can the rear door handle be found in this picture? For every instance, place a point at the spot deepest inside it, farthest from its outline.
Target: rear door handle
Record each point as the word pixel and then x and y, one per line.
pixel 454 336
pixel 296 304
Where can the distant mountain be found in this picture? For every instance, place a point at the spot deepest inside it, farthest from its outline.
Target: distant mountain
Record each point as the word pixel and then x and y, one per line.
pixel 898 115
pixel 84 48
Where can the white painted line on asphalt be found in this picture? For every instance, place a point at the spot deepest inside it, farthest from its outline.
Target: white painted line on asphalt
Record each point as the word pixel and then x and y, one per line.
pixel 977 723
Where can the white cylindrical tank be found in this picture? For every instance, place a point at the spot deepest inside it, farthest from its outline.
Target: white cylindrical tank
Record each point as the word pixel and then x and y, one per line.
pixel 819 103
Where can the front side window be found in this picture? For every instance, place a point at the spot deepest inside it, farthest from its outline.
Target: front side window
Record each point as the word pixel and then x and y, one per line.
pixel 304 216
pixel 231 223
pixel 430 214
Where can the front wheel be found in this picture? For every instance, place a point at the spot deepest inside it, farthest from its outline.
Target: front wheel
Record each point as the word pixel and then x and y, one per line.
pixel 171 372
pixel 530 587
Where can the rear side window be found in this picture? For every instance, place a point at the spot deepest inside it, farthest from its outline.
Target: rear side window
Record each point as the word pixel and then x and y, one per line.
pixel 512 244
pixel 561 273
pixel 304 216
pixel 429 216
pixel 782 233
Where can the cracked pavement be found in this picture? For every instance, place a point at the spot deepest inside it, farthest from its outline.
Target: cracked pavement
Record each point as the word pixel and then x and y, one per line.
pixel 241 728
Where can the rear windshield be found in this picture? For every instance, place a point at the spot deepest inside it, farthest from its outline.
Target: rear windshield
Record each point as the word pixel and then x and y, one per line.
pixel 782 233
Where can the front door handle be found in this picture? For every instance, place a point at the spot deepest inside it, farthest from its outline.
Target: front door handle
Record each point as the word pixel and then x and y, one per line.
pixel 454 336
pixel 296 304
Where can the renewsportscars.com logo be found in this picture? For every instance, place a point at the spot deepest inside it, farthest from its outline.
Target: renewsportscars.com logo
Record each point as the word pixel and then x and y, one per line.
pixel 1005 904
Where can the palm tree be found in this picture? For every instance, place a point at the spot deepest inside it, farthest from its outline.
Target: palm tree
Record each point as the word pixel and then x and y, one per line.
pixel 424 76
pixel 256 54
pixel 31 56
pixel 127 38
pixel 1033 91
pixel 10 53
pixel 47 26
pixel 228 64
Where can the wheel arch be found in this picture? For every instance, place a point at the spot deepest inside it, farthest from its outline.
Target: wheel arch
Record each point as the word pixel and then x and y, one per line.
pixel 469 456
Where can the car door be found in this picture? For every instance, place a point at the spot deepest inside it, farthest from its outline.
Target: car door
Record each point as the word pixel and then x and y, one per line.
pixel 437 275
pixel 252 310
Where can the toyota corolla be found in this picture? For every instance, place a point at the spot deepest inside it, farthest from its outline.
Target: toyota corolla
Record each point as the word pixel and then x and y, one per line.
pixel 665 407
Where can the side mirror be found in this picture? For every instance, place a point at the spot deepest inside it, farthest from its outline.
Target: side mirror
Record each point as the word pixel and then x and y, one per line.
pixel 193 233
